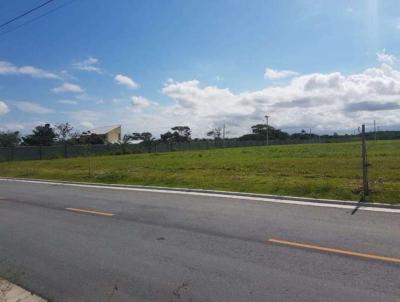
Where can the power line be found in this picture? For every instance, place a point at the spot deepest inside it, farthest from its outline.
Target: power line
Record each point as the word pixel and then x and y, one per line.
pixel 36 18
pixel 26 13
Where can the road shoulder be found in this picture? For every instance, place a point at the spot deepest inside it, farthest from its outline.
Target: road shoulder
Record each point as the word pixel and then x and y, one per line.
pixel 330 203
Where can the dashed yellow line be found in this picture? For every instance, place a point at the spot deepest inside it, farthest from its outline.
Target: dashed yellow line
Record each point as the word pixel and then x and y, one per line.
pixel 334 250
pixel 89 212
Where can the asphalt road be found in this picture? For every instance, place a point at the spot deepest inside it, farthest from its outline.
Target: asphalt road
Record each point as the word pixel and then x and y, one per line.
pixel 152 246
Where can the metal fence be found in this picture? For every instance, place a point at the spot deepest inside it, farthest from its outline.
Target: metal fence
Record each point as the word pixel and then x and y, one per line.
pixel 66 151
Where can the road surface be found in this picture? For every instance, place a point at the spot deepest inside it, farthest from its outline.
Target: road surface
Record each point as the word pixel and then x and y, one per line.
pixel 70 243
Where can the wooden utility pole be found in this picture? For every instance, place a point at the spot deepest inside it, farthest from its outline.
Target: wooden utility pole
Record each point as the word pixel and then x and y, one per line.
pixel 364 165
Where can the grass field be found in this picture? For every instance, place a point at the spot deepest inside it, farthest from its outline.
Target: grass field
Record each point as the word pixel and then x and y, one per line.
pixel 313 170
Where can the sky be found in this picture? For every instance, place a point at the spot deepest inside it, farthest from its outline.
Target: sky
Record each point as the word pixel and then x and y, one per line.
pixel 150 65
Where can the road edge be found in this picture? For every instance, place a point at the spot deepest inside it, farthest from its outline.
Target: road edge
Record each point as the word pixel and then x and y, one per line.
pixel 305 200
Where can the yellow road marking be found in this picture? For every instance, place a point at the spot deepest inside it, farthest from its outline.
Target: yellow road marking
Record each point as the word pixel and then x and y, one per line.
pixel 89 212
pixel 333 250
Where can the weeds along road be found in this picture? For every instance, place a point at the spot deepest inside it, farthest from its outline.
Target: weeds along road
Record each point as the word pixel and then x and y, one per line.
pixel 69 243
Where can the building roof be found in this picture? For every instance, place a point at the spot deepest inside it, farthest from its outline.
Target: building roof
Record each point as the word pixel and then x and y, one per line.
pixel 104 129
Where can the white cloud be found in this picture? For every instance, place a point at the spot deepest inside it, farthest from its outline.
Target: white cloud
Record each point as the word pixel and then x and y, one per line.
pixel 139 103
pixel 86 124
pixel 31 107
pixel 68 87
pixel 3 108
pixel 7 68
pixel 87 65
pixel 385 58
pixel 126 81
pixel 67 102
pixel 326 102
pixel 273 74
pixel 88 118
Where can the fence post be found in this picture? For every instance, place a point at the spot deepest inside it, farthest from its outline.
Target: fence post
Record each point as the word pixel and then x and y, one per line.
pixel 364 165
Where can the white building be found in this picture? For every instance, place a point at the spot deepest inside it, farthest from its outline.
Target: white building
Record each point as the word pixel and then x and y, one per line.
pixel 110 134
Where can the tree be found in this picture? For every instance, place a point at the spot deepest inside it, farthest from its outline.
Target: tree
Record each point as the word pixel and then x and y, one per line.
pixel 167 137
pixel 9 139
pixel 74 138
pixel 126 139
pixel 215 133
pixel 259 132
pixel 91 139
pixel 63 131
pixel 303 135
pixel 124 143
pixel 41 136
pixel 181 133
pixel 273 133
pixel 260 129
pixel 144 136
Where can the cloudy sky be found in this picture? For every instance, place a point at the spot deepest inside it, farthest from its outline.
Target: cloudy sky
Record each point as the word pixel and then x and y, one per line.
pixel 151 65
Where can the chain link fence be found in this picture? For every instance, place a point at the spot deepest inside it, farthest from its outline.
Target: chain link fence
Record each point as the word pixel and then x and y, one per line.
pixel 67 151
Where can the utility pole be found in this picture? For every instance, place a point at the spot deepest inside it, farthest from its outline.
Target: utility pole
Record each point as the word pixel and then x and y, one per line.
pixel 267 134
pixel 374 130
pixel 365 192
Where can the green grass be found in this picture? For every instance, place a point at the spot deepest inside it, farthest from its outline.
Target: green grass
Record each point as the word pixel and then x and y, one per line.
pixel 313 170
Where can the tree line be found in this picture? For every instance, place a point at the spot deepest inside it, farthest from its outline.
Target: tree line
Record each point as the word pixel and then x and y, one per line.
pixel 65 133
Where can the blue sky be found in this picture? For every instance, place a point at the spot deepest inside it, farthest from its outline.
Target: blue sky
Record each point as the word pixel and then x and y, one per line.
pixel 149 65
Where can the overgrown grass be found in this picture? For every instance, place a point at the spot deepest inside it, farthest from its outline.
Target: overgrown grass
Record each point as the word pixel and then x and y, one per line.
pixel 312 170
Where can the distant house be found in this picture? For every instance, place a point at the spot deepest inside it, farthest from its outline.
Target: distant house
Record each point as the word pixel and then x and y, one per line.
pixel 110 134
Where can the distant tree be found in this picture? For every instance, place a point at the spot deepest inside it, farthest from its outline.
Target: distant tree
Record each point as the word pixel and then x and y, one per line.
pixel 167 137
pixel 41 136
pixel 273 133
pixel 259 129
pixel 303 135
pixel 144 136
pixel 63 131
pixel 91 139
pixel 259 132
pixel 124 143
pixel 182 133
pixel 74 138
pixel 252 137
pixel 215 133
pixel 126 139
pixel 9 139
